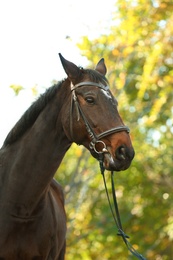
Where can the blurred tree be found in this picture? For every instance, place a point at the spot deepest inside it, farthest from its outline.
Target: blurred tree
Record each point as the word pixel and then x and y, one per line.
pixel 138 51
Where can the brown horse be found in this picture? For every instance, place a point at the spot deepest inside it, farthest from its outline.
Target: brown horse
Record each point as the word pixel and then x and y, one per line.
pixel 79 109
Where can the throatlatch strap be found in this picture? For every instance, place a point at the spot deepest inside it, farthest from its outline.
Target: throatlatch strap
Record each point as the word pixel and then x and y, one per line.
pixel 116 215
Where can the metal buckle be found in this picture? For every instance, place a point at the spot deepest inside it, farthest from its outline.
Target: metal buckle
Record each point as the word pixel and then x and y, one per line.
pixel 104 149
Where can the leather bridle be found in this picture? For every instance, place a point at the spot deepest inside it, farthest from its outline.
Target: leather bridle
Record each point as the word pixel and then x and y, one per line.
pixel 95 138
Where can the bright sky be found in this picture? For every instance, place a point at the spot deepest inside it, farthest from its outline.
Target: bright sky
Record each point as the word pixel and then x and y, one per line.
pixel 32 33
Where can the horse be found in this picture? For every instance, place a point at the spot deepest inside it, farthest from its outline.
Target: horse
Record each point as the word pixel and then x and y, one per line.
pixel 80 109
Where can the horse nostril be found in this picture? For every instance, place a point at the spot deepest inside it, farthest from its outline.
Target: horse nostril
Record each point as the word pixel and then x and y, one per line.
pixel 121 153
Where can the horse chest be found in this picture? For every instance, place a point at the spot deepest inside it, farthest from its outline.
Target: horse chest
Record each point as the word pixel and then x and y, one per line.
pixel 25 240
pixel 30 239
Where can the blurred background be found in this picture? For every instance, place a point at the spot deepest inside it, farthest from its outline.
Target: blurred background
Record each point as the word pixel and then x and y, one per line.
pixel 136 39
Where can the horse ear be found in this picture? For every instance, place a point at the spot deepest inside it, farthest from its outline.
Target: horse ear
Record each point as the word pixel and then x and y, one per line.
pixel 70 68
pixel 101 67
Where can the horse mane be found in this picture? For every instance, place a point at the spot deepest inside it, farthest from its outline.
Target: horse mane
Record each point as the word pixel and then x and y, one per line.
pixel 31 114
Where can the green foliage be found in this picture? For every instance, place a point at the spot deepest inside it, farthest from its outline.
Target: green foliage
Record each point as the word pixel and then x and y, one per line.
pixel 139 58
pixel 16 89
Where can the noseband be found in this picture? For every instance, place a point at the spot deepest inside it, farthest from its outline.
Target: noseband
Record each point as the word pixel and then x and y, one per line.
pixel 95 138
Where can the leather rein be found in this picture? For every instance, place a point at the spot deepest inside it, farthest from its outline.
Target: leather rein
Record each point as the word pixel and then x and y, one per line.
pixel 116 215
pixel 95 139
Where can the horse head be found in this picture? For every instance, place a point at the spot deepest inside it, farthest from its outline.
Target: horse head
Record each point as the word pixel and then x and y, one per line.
pixel 91 117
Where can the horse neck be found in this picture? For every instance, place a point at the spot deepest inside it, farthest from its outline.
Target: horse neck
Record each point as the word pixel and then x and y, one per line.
pixel 35 157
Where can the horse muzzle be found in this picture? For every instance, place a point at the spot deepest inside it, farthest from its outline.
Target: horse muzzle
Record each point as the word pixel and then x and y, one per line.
pixel 119 160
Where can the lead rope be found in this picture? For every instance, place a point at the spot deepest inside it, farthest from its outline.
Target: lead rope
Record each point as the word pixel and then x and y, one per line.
pixel 115 213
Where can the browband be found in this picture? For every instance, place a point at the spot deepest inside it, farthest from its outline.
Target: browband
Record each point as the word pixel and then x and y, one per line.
pixel 89 83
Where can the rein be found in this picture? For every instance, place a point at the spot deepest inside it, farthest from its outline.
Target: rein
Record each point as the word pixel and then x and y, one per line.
pixel 116 214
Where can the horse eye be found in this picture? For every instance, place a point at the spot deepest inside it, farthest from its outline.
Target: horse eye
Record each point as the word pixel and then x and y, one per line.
pixel 90 100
